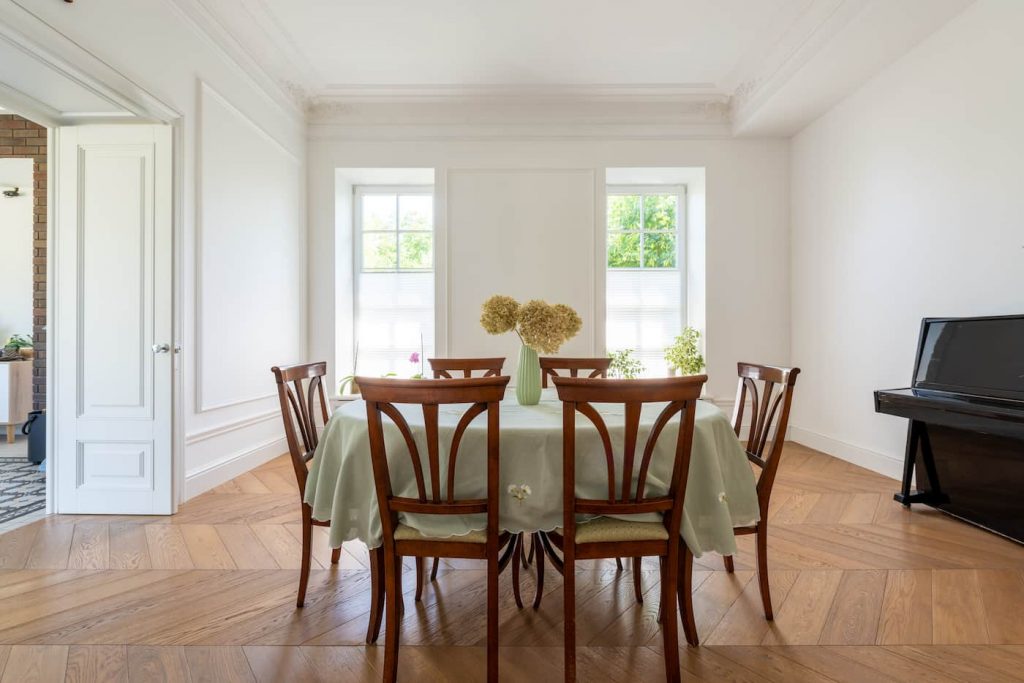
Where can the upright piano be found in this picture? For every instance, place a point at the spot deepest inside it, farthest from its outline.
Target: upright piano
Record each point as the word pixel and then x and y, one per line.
pixel 965 438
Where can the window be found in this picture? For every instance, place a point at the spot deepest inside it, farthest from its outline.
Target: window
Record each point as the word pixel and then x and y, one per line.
pixel 645 281
pixel 394 287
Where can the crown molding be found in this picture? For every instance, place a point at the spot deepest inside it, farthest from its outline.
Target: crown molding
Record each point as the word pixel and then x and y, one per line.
pixel 290 96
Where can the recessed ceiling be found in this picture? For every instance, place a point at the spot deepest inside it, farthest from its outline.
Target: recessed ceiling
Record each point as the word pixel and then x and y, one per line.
pixel 329 44
pixel 709 59
pixel 693 43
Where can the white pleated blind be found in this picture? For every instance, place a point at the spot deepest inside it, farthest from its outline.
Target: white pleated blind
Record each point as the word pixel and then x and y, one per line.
pixel 394 310
pixel 644 313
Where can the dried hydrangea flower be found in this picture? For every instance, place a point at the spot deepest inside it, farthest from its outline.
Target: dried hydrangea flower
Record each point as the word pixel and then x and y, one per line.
pixel 500 314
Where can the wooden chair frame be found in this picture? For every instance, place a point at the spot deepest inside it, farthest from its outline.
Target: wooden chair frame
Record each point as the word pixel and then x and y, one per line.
pixel 484 395
pixel 550 366
pixel 299 405
pixel 770 405
pixel 676 561
pixel 443 367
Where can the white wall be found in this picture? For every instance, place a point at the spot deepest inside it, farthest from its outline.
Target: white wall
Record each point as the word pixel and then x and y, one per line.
pixel 241 173
pixel 906 203
pixel 15 249
pixel 747 217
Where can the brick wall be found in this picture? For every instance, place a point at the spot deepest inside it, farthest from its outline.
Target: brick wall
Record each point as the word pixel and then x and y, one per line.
pixel 23 139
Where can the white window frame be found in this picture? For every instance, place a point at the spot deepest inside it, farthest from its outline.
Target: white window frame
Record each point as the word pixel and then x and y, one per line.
pixel 680 192
pixel 358 192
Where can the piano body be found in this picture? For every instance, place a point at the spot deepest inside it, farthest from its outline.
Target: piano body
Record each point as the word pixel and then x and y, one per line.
pixel 965 439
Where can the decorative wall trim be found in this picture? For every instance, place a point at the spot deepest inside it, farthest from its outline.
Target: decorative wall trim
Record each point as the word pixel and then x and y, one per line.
pixel 228 427
pixel 206 90
pixel 881 463
pixel 225 469
pixel 284 95
pixel 26 30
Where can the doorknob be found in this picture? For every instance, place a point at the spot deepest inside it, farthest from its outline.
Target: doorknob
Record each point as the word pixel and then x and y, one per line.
pixel 161 348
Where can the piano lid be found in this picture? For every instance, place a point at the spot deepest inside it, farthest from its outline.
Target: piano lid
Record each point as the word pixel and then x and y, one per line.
pixel 974 356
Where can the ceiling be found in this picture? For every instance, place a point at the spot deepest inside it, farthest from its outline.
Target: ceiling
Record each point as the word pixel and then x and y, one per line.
pixel 333 53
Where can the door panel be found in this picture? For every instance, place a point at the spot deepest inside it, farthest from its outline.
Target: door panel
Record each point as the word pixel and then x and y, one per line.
pixel 113 312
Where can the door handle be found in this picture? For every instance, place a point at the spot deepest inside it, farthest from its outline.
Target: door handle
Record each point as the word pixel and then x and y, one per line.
pixel 161 348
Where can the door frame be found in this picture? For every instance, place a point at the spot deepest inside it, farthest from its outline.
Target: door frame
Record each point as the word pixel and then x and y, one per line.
pixel 56 53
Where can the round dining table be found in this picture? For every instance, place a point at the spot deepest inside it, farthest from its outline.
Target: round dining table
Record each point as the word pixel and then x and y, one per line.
pixel 720 492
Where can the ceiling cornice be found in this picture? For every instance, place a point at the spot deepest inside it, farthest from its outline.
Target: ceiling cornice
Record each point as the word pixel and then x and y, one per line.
pixel 292 97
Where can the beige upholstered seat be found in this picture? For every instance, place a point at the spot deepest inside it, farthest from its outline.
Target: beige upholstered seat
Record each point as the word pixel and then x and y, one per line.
pixel 407 533
pixel 610 529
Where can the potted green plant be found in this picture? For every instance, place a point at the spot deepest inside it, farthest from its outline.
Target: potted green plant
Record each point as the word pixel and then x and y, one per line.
pixel 683 356
pixel 19 344
pixel 624 365
pixel 349 381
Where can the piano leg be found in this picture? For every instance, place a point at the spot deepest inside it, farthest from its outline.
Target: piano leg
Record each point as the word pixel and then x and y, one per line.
pixel 917 439
pixel 905 496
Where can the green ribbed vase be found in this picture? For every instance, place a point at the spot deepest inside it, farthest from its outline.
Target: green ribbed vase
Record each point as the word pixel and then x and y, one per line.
pixel 528 377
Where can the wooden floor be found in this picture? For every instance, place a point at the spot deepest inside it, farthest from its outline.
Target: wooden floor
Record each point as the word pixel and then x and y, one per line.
pixel 864 591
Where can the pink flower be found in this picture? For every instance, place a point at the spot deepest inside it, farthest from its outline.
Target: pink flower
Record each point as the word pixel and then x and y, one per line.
pixel 415 357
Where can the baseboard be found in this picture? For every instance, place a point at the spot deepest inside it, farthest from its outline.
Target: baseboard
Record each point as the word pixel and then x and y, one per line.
pixel 876 462
pixel 227 468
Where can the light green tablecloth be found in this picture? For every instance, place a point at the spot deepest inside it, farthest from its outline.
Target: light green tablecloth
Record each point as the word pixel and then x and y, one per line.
pixel 720 493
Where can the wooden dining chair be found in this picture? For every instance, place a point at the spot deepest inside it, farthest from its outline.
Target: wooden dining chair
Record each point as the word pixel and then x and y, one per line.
pixel 381 396
pixel 769 410
pixel 443 367
pixel 550 366
pixel 608 537
pixel 300 389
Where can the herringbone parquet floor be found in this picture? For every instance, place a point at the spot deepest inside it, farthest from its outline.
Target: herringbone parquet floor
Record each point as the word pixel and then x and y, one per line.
pixel 864 591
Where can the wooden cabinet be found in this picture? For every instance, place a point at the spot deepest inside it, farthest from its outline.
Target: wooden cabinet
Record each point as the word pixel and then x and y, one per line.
pixel 15 394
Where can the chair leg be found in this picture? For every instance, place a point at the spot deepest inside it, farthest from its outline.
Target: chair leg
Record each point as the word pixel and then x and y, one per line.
pixel 376 594
pixel 729 567
pixel 618 563
pixel 419 578
pixel 762 570
pixel 685 594
pixel 492 613
pixel 638 588
pixel 393 591
pixel 540 570
pixel 669 623
pixel 336 555
pixel 433 570
pixel 569 591
pixel 517 557
pixel 307 547
pixel 522 545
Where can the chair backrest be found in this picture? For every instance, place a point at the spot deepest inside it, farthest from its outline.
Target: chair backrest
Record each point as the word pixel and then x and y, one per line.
pixel 551 366
pixel 769 403
pixel 579 395
pixel 443 367
pixel 382 395
pixel 300 388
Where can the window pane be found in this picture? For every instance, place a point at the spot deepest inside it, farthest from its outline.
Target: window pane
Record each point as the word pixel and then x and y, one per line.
pixel 379 251
pixel 415 212
pixel 416 250
pixel 624 212
pixel 624 250
pixel 379 212
pixel 659 250
pixel 395 316
pixel 660 212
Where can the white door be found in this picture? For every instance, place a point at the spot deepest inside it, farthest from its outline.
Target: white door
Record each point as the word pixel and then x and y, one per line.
pixel 111 340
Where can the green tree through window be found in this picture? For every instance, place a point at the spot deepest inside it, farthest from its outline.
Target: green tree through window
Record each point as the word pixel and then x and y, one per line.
pixel 643 230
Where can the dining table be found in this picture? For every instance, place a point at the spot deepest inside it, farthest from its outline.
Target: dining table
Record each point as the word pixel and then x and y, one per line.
pixel 720 493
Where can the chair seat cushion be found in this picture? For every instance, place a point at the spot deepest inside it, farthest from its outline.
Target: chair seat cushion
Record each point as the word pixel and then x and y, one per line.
pixel 610 530
pixel 405 532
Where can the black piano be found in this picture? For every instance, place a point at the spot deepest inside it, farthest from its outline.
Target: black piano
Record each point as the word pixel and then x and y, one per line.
pixel 965 440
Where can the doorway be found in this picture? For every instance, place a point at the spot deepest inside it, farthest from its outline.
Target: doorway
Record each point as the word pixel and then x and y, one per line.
pixel 23 242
